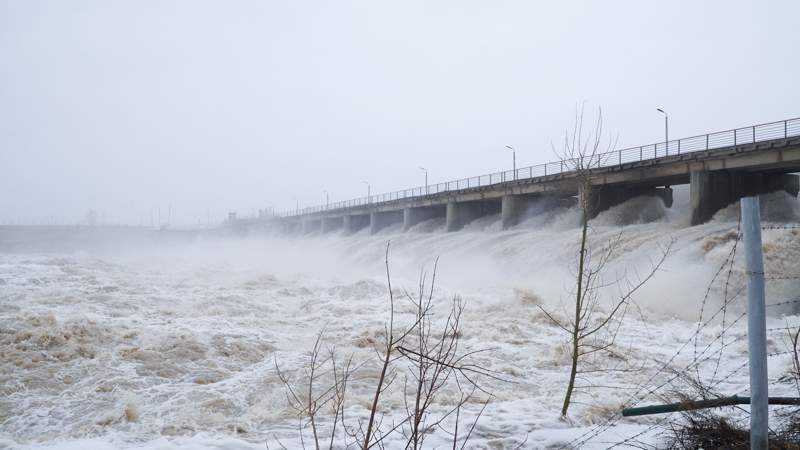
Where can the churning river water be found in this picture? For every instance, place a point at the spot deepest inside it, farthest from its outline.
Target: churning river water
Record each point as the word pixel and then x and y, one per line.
pixel 125 338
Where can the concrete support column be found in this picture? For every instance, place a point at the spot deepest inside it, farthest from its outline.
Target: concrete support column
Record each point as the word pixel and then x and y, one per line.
pixel 510 211
pixel 714 190
pixel 413 216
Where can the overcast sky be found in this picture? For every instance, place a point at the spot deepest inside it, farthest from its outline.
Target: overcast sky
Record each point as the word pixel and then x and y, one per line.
pixel 128 107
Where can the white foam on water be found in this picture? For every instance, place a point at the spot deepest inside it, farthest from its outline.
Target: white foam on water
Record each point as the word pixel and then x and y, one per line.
pixel 173 345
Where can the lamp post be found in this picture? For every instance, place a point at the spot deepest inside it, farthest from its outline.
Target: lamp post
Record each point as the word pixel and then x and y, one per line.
pixel 513 159
pixel 426 178
pixel 327 199
pixel 666 128
pixel 368 192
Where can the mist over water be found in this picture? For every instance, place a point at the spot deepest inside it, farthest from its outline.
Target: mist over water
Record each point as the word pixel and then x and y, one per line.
pixel 139 338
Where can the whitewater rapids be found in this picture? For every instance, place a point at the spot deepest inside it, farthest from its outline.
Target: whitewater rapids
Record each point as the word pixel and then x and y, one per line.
pixel 134 339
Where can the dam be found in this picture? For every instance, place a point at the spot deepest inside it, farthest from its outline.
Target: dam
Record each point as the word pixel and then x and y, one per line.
pixel 719 167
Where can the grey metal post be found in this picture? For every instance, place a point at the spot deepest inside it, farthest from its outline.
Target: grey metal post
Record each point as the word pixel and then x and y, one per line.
pixel 666 130
pixel 756 324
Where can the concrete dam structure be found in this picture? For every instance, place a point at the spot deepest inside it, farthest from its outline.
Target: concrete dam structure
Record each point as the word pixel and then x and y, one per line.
pixel 720 168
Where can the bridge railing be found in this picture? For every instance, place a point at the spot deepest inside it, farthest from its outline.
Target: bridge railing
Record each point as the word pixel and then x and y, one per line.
pixel 720 139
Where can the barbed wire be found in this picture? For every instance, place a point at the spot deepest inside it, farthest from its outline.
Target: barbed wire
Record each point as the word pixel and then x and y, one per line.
pixel 784 277
pixel 698 358
pixel 786 328
pixel 783 303
pixel 728 262
pixel 635 399
pixel 725 298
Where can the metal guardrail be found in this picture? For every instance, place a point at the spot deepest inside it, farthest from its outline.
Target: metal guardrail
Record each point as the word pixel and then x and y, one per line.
pixel 720 139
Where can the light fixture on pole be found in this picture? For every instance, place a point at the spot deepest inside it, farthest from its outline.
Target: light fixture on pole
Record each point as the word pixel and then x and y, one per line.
pixel 368 191
pixel 426 178
pixel 327 199
pixel 513 159
pixel 666 128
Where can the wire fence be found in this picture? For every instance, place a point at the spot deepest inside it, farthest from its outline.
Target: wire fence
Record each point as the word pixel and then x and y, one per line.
pixel 730 138
pixel 670 373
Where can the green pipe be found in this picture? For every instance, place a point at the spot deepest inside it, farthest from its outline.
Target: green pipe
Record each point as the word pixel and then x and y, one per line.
pixel 702 404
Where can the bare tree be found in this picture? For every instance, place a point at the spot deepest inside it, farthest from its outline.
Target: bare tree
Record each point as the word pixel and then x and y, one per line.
pixel 309 402
pixel 434 362
pixel 591 328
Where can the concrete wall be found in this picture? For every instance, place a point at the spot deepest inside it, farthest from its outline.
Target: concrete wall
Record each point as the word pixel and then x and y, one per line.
pixel 415 215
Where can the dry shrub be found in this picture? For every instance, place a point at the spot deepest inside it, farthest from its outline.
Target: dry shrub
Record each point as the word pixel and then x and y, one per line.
pixel 709 431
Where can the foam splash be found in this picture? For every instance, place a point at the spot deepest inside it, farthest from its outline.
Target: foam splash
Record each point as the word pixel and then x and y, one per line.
pixel 158 347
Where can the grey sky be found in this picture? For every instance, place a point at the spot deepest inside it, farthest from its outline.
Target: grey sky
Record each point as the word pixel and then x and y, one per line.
pixel 126 107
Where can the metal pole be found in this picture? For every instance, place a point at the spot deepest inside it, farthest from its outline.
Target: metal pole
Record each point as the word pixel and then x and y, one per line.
pixel 513 160
pixel 756 324
pixel 666 131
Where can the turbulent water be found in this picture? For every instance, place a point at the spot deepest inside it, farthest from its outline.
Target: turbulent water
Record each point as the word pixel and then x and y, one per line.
pixel 140 339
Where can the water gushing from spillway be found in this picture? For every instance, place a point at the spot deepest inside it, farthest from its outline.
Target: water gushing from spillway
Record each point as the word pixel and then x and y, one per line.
pixel 141 341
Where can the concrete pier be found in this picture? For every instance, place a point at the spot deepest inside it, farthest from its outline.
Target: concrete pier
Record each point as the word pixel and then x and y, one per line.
pixel 355 222
pixel 415 215
pixel 382 219
pixel 462 213
pixel 712 191
pixel 510 210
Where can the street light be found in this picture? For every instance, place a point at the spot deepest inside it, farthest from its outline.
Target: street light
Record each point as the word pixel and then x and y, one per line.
pixel 426 178
pixel 327 199
pixel 368 189
pixel 666 128
pixel 513 159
